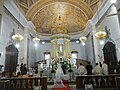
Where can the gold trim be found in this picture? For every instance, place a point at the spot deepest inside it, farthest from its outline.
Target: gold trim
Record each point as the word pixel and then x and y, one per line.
pixel 43 3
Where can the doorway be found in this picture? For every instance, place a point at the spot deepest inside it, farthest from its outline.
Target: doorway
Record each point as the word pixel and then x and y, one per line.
pixel 109 51
pixel 11 59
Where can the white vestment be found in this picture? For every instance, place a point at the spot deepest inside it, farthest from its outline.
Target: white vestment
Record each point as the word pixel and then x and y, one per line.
pixel 97 70
pixel 82 70
pixel 105 69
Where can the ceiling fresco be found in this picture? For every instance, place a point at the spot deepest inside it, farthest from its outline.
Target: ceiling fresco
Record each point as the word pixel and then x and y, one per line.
pixel 45 14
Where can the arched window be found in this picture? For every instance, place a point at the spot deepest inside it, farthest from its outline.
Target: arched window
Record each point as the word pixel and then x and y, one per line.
pixel 74 56
pixel 47 58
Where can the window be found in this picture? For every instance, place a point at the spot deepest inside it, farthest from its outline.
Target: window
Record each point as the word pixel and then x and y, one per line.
pixel 74 55
pixel 47 56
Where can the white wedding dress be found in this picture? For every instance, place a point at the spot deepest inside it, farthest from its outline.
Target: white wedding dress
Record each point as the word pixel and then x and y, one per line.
pixel 58 83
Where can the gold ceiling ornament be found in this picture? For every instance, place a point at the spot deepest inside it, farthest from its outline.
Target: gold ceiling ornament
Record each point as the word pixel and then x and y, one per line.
pixel 58 28
pixel 17 37
pixel 75 15
pixel 100 34
pixel 83 39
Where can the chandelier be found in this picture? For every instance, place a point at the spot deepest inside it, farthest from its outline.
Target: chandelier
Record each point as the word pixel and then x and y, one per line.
pixel 36 40
pixel 17 38
pixel 100 34
pixel 83 39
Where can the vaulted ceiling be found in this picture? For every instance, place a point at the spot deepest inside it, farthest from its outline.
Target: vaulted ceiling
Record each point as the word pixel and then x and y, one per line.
pixel 45 13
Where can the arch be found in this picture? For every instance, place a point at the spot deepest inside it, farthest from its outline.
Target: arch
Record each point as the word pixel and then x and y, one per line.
pixel 43 3
pixel 109 51
pixel 11 59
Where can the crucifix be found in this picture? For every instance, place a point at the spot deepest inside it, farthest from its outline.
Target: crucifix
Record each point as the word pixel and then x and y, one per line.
pixel 108 32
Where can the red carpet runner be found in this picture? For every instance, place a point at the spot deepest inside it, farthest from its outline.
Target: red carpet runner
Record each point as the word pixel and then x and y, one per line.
pixel 65 82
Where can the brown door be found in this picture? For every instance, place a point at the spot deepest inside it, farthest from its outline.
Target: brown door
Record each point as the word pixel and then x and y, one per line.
pixel 11 59
pixel 109 51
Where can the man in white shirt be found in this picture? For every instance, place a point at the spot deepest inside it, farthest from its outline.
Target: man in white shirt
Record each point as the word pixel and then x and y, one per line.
pixel 97 70
pixel 105 68
pixel 81 70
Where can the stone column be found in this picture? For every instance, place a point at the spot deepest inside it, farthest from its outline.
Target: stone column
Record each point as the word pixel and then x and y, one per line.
pixel 52 49
pixel 26 36
pixel 56 49
pixel 64 48
pixel 95 45
pixel 69 52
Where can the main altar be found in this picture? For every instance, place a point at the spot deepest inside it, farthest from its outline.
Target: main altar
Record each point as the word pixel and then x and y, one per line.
pixel 60 42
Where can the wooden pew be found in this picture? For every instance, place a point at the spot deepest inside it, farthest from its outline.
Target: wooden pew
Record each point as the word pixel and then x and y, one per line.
pixel 4 85
pixel 117 80
pixel 27 83
pixel 98 81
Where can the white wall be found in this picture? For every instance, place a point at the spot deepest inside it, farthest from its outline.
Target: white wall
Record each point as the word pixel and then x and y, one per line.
pixel 89 47
pixel 112 23
pixel 40 49
pixel 31 53
pixel 7 26
pixel 80 49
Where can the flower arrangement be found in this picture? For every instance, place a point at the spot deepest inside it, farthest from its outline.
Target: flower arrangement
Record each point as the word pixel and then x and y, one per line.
pixel 69 68
pixel 53 70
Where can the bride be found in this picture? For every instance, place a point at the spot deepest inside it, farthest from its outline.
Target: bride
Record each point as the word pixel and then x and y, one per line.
pixel 58 77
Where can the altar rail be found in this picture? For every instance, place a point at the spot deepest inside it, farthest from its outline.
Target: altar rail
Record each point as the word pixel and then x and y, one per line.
pixel 98 81
pixel 26 83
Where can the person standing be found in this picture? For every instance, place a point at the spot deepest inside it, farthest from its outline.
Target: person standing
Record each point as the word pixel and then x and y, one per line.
pixel 100 64
pixel 17 69
pixel 64 67
pixel 118 68
pixel 111 68
pixel 89 69
pixel 105 68
pixel 97 70
pixel 21 69
pixel 81 70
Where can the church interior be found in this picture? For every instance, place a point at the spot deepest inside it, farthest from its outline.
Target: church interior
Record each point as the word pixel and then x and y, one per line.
pixel 60 44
